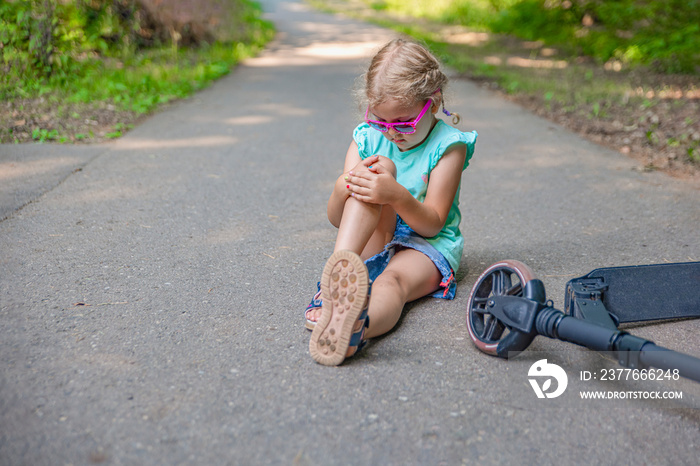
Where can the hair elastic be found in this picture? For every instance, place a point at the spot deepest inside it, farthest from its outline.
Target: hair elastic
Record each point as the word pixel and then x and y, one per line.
pixel 455 116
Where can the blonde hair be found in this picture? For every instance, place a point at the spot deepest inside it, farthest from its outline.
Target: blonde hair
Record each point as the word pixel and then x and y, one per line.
pixel 407 72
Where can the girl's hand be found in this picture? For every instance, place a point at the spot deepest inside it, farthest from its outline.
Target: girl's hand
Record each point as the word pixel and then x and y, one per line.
pixel 364 165
pixel 371 182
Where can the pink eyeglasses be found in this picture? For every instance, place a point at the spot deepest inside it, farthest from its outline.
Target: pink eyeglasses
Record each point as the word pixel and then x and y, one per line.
pixel 403 127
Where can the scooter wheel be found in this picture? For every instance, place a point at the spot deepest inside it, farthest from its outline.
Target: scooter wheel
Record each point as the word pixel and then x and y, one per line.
pixel 507 277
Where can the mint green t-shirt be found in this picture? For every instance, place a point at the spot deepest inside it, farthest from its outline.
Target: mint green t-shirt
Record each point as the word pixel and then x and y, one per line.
pixel 413 169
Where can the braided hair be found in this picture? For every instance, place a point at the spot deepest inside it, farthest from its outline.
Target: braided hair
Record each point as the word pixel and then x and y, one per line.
pixel 407 72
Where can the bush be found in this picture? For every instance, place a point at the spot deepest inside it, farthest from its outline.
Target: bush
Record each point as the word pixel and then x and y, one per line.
pixel 661 33
pixel 45 38
pixel 47 42
pixel 85 70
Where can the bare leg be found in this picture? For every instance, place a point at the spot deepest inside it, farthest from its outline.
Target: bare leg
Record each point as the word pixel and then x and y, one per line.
pixel 365 228
pixel 410 275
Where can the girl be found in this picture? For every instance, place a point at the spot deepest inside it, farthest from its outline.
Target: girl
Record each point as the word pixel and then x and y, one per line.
pixel 396 206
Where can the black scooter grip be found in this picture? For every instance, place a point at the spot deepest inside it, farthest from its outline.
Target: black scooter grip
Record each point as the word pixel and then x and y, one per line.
pixel 662 358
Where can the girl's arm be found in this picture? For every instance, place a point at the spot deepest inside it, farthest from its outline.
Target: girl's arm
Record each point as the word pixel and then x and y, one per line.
pixel 377 186
pixel 429 217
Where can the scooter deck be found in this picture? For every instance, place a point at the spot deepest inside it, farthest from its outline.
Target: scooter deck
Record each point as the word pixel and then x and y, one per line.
pixel 641 293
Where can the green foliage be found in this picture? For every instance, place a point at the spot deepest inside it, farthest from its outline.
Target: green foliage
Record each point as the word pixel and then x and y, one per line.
pixel 477 14
pixel 155 77
pixel 663 33
pixel 99 49
pixel 474 13
pixel 43 135
pixel 90 54
pixel 49 39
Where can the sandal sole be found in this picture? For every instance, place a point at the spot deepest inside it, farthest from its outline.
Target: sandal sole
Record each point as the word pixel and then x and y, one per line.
pixel 344 288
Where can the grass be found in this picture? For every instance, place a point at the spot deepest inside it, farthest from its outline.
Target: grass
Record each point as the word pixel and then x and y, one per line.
pixel 101 97
pixel 145 81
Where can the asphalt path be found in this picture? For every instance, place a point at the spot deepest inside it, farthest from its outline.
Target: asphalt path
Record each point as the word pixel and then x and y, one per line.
pixel 152 288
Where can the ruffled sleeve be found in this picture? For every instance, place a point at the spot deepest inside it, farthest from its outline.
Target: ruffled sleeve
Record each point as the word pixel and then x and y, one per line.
pixel 361 137
pixel 455 137
pixel 471 142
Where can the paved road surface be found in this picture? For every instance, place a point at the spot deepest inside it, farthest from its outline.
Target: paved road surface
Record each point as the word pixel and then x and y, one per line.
pixel 151 289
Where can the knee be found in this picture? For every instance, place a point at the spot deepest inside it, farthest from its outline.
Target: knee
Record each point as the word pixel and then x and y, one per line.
pixel 387 164
pixel 390 279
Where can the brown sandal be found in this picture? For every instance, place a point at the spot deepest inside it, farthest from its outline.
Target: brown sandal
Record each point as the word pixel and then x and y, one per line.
pixel 345 295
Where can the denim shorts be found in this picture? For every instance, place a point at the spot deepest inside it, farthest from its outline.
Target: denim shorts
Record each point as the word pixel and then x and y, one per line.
pixel 405 237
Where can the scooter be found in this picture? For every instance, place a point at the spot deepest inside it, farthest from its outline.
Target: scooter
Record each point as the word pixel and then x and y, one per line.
pixel 508 308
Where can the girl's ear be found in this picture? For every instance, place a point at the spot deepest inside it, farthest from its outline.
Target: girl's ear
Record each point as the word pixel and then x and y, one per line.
pixel 437 101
